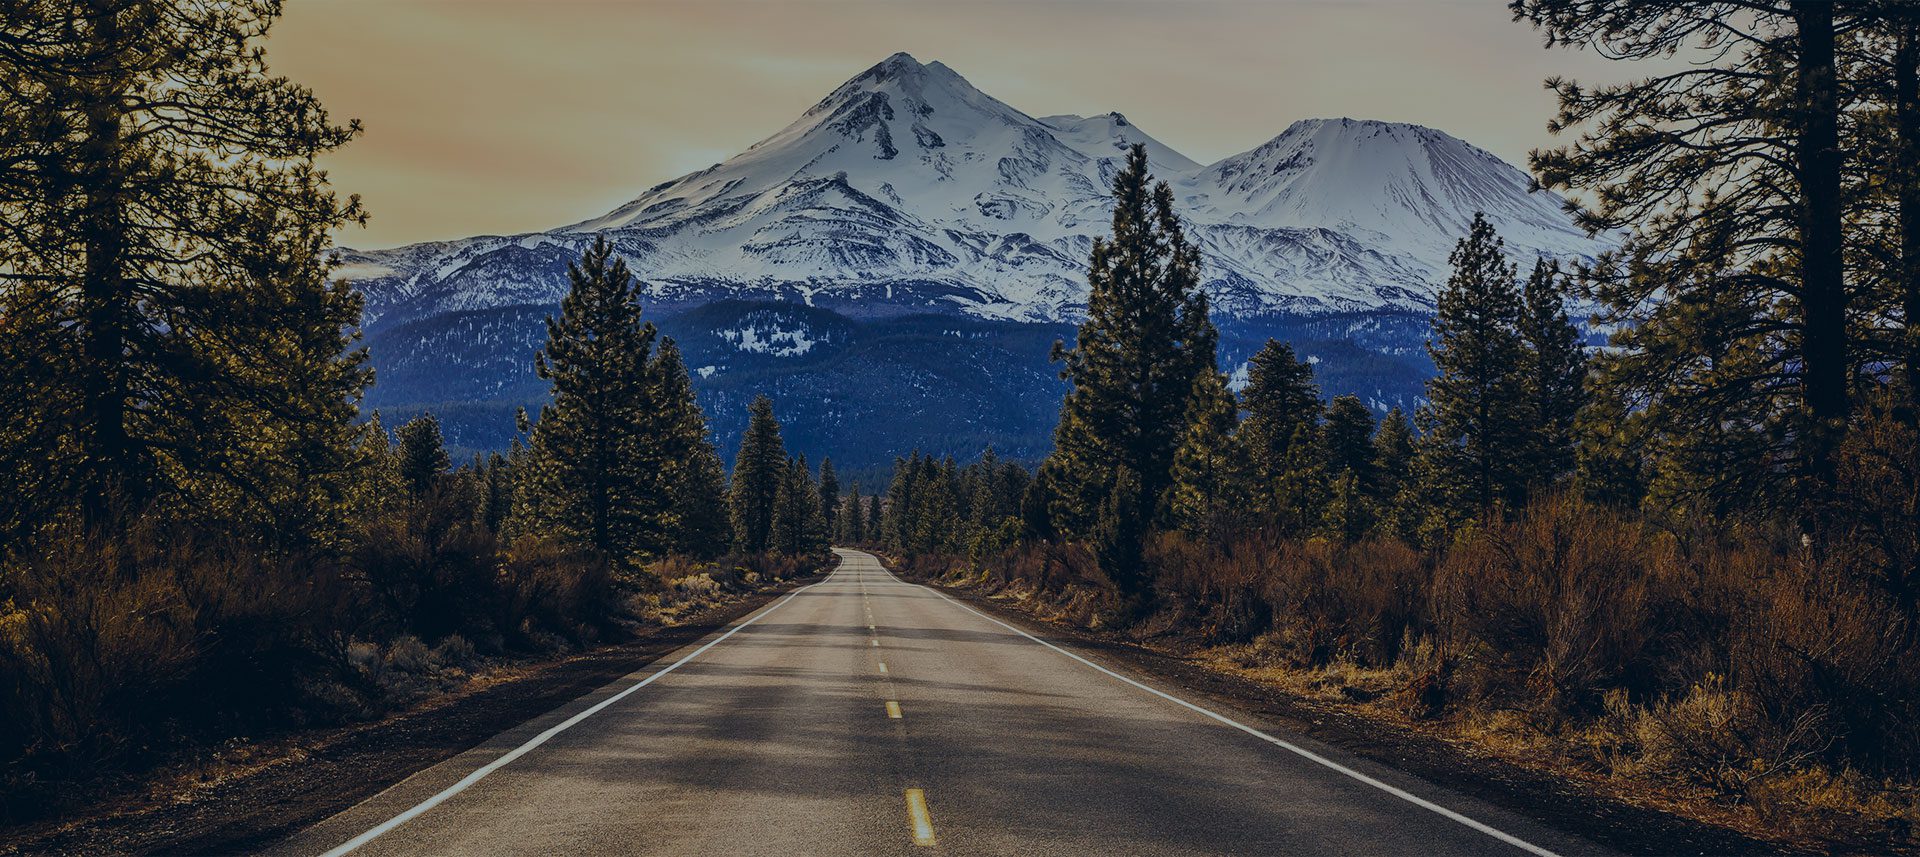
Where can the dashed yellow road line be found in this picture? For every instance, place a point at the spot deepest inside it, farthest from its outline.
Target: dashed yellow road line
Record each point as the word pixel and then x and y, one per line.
pixel 883 666
pixel 876 643
pixel 893 709
pixel 917 817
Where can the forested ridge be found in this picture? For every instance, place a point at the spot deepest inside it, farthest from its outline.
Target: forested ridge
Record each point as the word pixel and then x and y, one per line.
pixel 1683 563
pixel 202 537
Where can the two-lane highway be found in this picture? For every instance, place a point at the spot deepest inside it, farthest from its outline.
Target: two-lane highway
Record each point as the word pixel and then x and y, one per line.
pixel 863 715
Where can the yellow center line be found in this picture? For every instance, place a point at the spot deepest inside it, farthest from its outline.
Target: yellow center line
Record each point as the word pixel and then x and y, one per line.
pixel 918 817
pixel 883 666
pixel 876 643
pixel 893 709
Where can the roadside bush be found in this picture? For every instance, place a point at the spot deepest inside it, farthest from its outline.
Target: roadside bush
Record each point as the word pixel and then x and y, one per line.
pixel 116 647
pixel 1555 608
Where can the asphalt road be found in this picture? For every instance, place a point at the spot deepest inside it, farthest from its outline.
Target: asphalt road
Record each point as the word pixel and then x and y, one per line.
pixel 863 715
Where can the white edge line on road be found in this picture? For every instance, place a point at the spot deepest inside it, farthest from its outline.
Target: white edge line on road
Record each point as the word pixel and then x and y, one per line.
pixel 542 738
pixel 1290 747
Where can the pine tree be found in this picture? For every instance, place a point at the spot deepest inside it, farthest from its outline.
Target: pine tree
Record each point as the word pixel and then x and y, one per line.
pixel 1209 497
pixel 497 502
pixel 694 476
pixel 1348 439
pixel 1146 338
pixel 829 494
pixel 1748 159
pixel 873 518
pixel 172 336
pixel 1392 492
pixel 1555 374
pixel 853 519
pixel 423 456
pixel 1392 455
pixel 1475 433
pixel 1281 434
pixel 798 529
pixel 598 461
pixel 758 472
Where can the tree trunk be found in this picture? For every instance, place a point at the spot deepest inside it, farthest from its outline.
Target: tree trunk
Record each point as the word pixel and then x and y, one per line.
pixel 1906 107
pixel 111 468
pixel 1823 297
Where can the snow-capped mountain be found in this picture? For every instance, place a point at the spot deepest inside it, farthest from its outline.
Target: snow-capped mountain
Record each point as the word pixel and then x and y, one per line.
pixel 908 190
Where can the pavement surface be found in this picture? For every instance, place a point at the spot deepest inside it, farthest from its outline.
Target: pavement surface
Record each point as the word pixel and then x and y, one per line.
pixel 863 715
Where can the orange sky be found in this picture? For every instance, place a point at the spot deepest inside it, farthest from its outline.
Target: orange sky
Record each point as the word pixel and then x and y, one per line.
pixel 505 116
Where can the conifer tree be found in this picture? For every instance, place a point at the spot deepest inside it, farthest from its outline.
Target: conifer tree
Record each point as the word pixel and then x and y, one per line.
pixel 1349 514
pixel 1348 438
pixel 1392 455
pixel 172 336
pixel 873 518
pixel 497 500
pixel 1281 436
pixel 1475 433
pixel 853 519
pixel 1555 374
pixel 1392 490
pixel 691 469
pixel 423 455
pixel 1146 338
pixel 758 472
pixel 597 458
pixel 829 494
pixel 1743 153
pixel 798 529
pixel 1210 481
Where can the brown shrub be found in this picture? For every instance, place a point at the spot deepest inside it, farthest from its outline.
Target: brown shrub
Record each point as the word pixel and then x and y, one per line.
pixel 1553 609
pixel 115 647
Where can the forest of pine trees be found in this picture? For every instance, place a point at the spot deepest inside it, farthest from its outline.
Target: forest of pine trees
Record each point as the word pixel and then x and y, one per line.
pixel 200 534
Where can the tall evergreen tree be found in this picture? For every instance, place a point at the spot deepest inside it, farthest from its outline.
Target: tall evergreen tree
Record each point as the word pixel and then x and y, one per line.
pixel 1146 338
pixel 694 477
pixel 171 333
pixel 798 528
pixel 758 472
pixel 1740 155
pixel 829 494
pixel 1348 439
pixel 1392 455
pixel 1475 433
pixel 1281 436
pixel 1555 374
pixel 497 500
pixel 1392 490
pixel 423 455
pixel 853 518
pixel 1209 497
pixel 597 459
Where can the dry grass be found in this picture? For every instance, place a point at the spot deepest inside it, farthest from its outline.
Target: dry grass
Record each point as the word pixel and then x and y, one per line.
pixel 1729 675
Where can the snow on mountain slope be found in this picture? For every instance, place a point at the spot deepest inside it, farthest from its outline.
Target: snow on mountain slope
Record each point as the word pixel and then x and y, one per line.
pixel 906 189
pixel 1397 187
